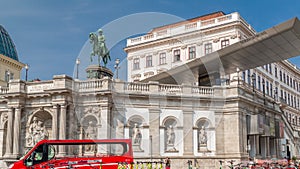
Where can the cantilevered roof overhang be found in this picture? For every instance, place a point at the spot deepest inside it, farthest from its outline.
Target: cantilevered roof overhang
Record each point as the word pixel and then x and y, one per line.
pixel 275 44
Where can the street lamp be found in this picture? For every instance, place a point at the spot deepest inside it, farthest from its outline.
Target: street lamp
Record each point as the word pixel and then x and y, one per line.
pixel 77 67
pixel 26 71
pixel 150 147
pixel 117 67
pixel 238 74
pixel 253 81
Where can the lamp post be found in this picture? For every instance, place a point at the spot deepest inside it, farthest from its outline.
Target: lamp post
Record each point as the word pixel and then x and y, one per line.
pixel 117 67
pixel 150 137
pixel 77 67
pixel 238 74
pixel 26 72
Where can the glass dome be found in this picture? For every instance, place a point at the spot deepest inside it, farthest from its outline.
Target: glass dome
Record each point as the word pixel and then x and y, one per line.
pixel 7 47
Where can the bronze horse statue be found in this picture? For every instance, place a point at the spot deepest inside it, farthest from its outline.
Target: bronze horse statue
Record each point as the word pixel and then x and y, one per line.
pixel 99 47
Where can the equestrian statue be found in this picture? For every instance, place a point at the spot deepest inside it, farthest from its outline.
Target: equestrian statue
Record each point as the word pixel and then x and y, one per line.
pixel 99 47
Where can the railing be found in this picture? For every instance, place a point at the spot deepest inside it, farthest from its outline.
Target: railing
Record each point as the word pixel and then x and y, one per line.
pixel 136 87
pixel 197 25
pixel 170 88
pixel 3 90
pixel 202 90
pixel 114 86
pixel 89 85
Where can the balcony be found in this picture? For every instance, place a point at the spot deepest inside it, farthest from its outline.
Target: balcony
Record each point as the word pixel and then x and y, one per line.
pixel 189 27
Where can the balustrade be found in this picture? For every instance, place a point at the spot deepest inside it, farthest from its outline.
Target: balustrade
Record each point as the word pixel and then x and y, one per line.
pixel 170 88
pixel 203 90
pixel 187 27
pixel 135 87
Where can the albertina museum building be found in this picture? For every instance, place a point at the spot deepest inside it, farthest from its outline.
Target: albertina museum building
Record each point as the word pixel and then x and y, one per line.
pixel 205 89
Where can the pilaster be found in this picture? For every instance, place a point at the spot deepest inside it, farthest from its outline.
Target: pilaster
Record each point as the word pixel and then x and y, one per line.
pixel 54 122
pixel 62 127
pixel 188 132
pixel 9 141
pixel 154 119
pixel 16 139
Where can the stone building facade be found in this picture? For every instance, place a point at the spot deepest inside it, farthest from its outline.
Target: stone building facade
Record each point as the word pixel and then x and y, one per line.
pixel 233 119
pixel 183 122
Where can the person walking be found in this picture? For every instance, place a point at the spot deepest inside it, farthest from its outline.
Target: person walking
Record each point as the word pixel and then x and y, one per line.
pixel 168 163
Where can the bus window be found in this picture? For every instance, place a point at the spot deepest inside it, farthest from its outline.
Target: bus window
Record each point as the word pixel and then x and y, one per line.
pixel 36 157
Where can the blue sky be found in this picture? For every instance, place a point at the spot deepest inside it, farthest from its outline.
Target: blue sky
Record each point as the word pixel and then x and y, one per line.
pixel 50 35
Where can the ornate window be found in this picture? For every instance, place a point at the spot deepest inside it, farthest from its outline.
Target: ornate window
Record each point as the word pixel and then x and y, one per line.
pixel 149 61
pixel 176 55
pixel 224 43
pixel 136 64
pixel 208 48
pixel 192 52
pixel 162 58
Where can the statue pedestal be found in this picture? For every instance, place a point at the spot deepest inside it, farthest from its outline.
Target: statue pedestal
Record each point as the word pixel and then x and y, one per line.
pixel 203 148
pixel 98 72
pixel 137 148
pixel 171 148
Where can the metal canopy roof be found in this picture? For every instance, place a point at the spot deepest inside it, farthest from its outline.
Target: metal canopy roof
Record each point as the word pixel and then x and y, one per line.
pixel 275 44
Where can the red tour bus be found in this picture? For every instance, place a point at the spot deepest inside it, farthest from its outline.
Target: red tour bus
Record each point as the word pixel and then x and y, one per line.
pixel 79 154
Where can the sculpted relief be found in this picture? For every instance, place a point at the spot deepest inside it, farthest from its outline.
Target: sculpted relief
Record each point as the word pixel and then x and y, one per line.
pixel 36 132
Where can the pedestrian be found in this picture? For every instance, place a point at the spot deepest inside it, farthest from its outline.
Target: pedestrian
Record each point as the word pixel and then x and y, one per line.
pixel 168 163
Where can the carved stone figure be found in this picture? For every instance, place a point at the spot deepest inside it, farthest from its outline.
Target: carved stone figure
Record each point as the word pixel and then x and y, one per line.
pixel 136 135
pixel 36 132
pixel 120 129
pixel 202 136
pixel 90 133
pixel 170 135
pixel 99 47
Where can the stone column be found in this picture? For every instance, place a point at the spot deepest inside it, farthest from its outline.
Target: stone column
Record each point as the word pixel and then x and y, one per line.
pixel 257 144
pixel 17 122
pixel 62 127
pixel 54 122
pixel 267 147
pixel 188 132
pixel 1 142
pixel 154 130
pixel 9 141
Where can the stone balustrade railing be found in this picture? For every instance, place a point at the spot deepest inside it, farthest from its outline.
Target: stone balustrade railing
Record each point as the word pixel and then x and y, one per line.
pixel 191 26
pixel 136 87
pixel 99 85
pixel 3 90
pixel 202 90
pixel 89 85
pixel 163 88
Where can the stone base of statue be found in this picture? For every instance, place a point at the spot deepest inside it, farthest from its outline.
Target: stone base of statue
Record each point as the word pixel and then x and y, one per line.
pixel 171 148
pixel 137 148
pixel 98 72
pixel 203 148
